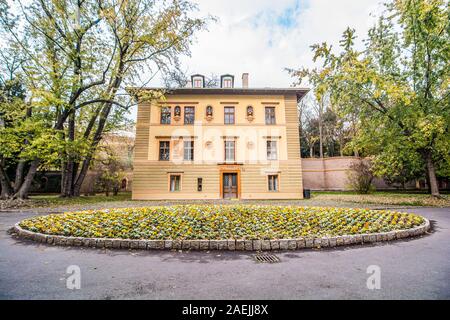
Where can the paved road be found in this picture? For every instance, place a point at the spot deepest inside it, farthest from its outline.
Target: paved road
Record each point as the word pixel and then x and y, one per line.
pixel 414 269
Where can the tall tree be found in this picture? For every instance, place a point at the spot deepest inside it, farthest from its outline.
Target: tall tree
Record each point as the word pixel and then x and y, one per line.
pixel 398 86
pixel 81 56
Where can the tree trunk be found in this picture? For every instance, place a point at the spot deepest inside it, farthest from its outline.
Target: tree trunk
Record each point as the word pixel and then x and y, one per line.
pixel 69 179
pixel 431 171
pixel 22 193
pixel 86 162
pixel 321 128
pixel 63 178
pixel 106 109
pixel 97 137
pixel 81 176
pixel 67 187
pixel 19 175
pixel 320 139
pixel 5 184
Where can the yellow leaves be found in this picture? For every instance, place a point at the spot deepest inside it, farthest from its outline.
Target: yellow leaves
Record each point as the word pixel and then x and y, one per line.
pixel 220 222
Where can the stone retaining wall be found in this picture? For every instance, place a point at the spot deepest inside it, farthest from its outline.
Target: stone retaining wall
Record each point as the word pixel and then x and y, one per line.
pixel 229 245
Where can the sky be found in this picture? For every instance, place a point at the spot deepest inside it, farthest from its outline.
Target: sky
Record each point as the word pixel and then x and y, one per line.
pixel 263 37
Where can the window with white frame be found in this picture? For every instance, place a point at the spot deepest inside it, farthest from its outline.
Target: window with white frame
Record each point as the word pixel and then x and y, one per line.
pixel 197 82
pixel 273 182
pixel 272 151
pixel 230 151
pixel 229 115
pixel 227 83
pixel 270 115
pixel 188 150
pixel 175 182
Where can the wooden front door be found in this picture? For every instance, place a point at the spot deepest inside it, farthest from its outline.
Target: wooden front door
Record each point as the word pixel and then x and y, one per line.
pixel 230 185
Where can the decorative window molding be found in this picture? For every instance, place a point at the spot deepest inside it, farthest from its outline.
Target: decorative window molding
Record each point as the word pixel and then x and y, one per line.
pixel 175 171
pixel 175 137
pixel 177 103
pixel 208 144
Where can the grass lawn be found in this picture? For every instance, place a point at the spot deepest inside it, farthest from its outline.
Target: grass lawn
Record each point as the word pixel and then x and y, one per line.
pixel 318 199
pixel 400 198
pixel 221 222
pixel 55 200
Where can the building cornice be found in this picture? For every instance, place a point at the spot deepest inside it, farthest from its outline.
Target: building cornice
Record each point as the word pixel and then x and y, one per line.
pixel 299 92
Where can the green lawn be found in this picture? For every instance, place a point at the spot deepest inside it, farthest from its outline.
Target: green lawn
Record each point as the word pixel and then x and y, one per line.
pixel 328 198
pixel 55 200
pixel 403 198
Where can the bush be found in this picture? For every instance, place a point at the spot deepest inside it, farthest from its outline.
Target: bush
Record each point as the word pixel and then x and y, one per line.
pixel 360 176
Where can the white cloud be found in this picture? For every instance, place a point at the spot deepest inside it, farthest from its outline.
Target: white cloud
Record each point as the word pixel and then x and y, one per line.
pixel 263 37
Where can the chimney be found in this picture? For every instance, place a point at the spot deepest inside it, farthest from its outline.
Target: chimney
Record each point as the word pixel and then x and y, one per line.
pixel 245 80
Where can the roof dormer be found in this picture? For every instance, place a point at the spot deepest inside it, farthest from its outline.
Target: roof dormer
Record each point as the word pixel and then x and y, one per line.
pixel 198 81
pixel 227 81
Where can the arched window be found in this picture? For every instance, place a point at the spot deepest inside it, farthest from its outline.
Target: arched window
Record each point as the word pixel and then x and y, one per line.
pixel 209 111
pixel 177 111
pixel 249 111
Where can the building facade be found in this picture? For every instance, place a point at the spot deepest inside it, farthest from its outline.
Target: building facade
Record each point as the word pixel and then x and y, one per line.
pixel 219 143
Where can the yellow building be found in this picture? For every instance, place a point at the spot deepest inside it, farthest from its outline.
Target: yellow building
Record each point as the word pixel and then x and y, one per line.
pixel 216 143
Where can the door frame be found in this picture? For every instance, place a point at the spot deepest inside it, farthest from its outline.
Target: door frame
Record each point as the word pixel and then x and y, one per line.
pixel 225 171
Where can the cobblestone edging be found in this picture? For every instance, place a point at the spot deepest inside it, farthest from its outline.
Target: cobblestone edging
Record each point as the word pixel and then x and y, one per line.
pixel 229 245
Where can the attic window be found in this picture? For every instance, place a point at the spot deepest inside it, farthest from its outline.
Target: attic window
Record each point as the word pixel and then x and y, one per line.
pixel 227 81
pixel 198 81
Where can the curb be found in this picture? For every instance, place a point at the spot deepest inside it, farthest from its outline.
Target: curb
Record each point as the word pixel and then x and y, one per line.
pixel 224 245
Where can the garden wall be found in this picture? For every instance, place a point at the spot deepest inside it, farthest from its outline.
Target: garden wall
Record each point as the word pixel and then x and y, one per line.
pixel 331 174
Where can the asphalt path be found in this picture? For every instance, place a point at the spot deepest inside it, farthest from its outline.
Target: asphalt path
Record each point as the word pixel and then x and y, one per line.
pixel 409 269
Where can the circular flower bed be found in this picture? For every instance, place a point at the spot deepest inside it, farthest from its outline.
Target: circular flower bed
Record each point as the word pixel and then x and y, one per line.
pixel 221 222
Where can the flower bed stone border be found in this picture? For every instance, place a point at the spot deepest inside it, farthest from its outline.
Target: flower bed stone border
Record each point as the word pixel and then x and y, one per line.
pixel 229 245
